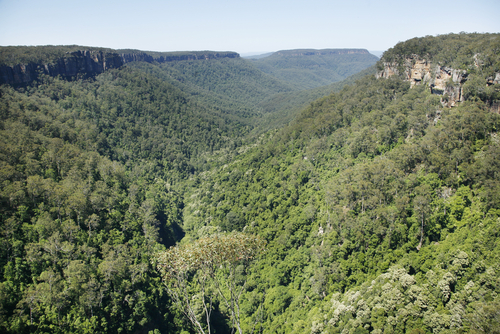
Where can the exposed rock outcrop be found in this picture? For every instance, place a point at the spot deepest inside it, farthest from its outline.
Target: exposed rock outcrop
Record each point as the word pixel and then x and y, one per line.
pixel 91 63
pixel 176 56
pixel 448 82
pixel 441 80
pixel 76 63
pixel 388 71
pixel 493 79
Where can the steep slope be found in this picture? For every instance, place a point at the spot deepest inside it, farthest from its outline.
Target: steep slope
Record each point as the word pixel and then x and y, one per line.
pixel 233 86
pixel 90 172
pixel 21 65
pixel 456 66
pixel 380 205
pixel 78 228
pixel 88 193
pixel 380 202
pixel 220 81
pixel 237 87
pixel 307 68
pixel 280 109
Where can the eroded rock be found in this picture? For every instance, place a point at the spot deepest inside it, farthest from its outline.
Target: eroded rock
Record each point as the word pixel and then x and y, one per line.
pixel 441 80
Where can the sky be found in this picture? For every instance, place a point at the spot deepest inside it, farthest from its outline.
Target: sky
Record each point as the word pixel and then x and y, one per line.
pixel 250 26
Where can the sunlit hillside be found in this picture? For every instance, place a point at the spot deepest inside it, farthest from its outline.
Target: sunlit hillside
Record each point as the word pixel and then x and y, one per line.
pixel 207 193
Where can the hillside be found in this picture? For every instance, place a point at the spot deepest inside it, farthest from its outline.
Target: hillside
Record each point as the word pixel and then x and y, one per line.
pixel 233 86
pixel 380 208
pixel 308 68
pixel 236 86
pixel 281 108
pixel 220 81
pixel 89 191
pixel 378 203
pixel 21 65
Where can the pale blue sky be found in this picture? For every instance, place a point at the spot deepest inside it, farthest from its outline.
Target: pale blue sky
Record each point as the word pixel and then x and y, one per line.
pixel 241 26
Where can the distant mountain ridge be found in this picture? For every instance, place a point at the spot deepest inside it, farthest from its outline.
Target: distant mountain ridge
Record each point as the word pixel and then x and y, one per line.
pixel 209 76
pixel 70 61
pixel 320 52
pixel 20 65
pixel 311 68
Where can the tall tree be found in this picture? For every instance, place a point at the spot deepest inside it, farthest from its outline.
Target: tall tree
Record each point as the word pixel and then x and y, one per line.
pixel 211 267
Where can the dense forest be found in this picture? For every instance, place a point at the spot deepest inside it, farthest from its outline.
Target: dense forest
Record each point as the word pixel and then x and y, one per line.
pixel 206 196
pixel 307 69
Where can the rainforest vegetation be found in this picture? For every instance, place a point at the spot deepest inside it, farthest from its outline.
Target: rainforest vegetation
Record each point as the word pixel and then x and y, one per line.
pixel 194 196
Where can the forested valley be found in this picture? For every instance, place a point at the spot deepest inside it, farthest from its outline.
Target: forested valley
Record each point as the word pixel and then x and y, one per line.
pixel 219 195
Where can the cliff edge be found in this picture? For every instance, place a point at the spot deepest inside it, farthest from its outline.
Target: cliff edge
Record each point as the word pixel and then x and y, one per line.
pixel 88 63
pixel 458 67
pixel 442 80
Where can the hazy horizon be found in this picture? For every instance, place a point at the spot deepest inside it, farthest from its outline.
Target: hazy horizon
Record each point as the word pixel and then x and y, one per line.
pixel 237 26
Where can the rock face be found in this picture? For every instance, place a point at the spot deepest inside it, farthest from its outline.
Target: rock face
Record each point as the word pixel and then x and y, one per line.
pixel 130 57
pixel 449 82
pixel 441 80
pixel 493 80
pixel 85 63
pixel 91 63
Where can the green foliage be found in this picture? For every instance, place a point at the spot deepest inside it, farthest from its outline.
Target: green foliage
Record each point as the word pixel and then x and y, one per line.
pixel 476 54
pixel 379 207
pixel 454 50
pixel 212 266
pixel 373 176
pixel 48 54
pixel 232 87
pixel 307 69
pixel 44 54
pixel 77 227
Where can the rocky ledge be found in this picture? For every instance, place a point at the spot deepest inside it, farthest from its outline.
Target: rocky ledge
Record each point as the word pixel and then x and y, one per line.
pixel 91 63
pixel 441 80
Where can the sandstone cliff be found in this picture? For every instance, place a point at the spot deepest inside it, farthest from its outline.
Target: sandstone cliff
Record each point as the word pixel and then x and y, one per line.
pixel 493 79
pixel 86 63
pixel 91 63
pixel 441 80
pixel 175 56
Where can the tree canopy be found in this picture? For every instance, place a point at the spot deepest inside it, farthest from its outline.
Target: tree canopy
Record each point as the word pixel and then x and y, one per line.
pixel 141 200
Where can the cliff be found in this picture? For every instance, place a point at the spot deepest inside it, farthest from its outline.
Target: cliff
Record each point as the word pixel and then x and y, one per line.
pixel 441 80
pixel 163 57
pixel 90 63
pixel 86 63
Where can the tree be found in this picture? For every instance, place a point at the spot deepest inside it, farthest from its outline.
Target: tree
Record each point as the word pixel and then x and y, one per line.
pixel 486 318
pixel 421 206
pixel 195 274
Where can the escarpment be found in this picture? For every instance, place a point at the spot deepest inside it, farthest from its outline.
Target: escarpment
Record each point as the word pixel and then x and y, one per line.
pixel 441 80
pixel 88 63
pixel 164 57
pixel 446 81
